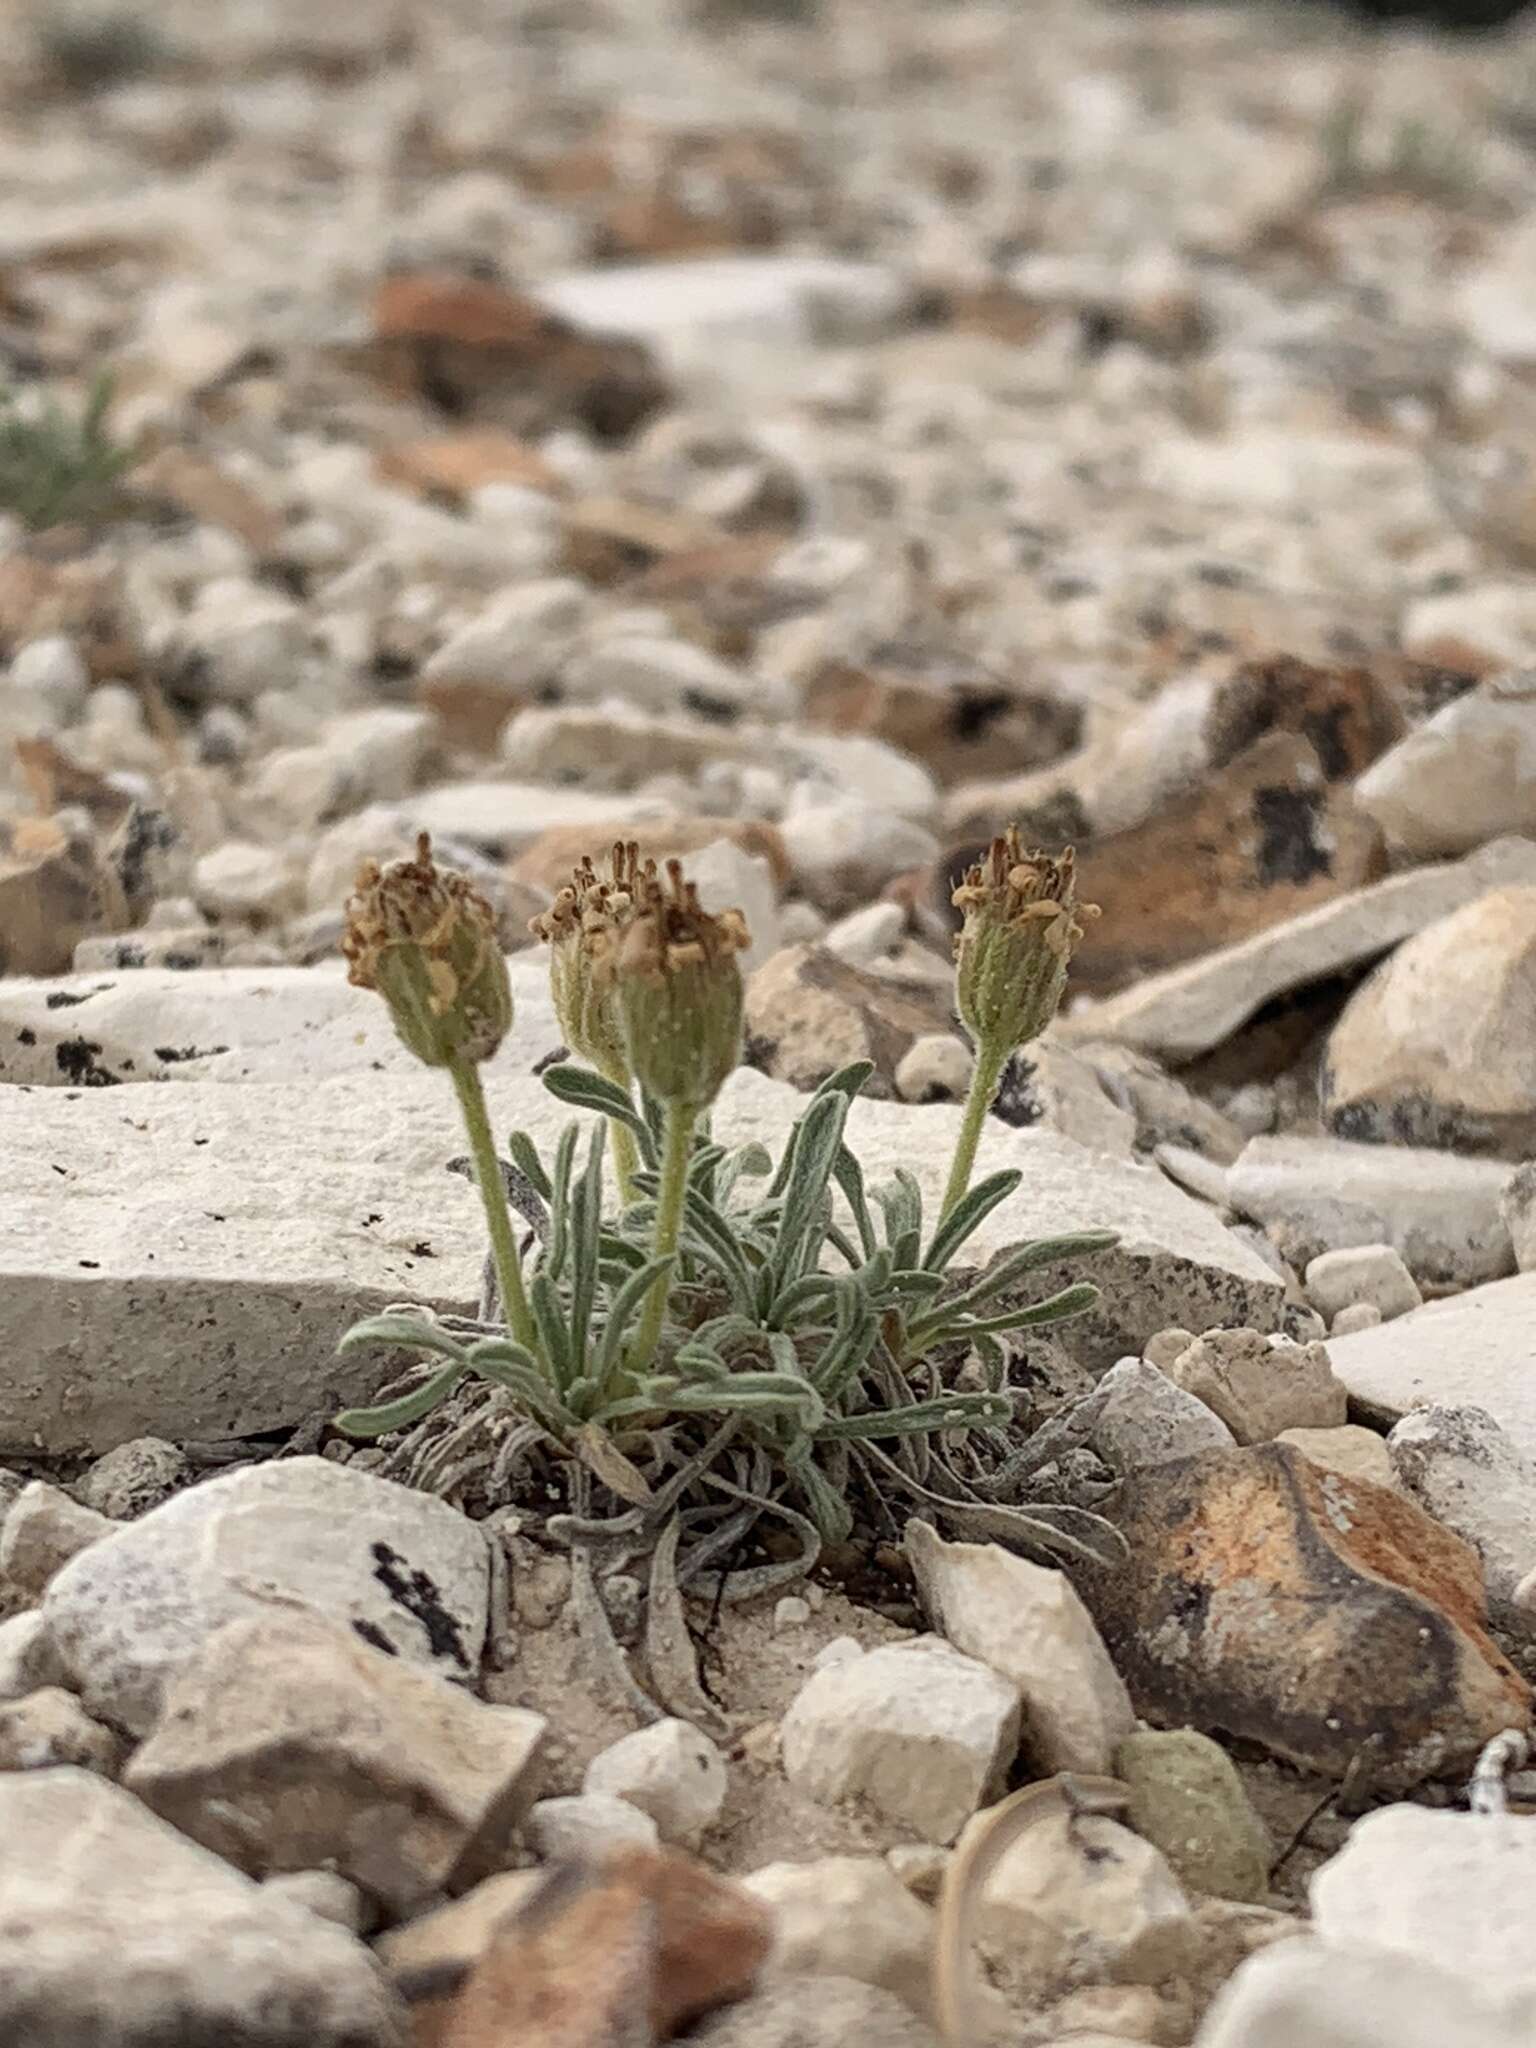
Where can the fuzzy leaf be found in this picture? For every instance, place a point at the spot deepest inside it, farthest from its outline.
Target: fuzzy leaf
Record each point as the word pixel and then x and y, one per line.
pixel 371 1422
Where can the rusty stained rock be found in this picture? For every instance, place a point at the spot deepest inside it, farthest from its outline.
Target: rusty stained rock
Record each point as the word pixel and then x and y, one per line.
pixel 1328 1619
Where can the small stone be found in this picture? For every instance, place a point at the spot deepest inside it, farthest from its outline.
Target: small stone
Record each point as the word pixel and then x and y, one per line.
pixel 51 1727
pixel 1352 1452
pixel 1161 1350
pixel 920 1867
pixel 1146 1419
pixel 1360 1315
pixel 791 1612
pixel 865 936
pixel 847 1916
pixel 816 2012
pixel 841 1650
pixel 662 675
pixel 1025 1622
pixel 286 1743
pixel 1078 1899
pixel 808 1013
pixel 237 639
pixel 1251 1581
pixel 1463 777
pixel 57 892
pixel 729 878
pixel 28 1659
pixel 587 1827
pixel 444 1940
pixel 1519 1211
pixel 404 1571
pixel 134 1478
pixel 1187 1799
pixel 1439 1211
pixel 1435 1048
pixel 1258 1388
pixel 114 1927
pixel 1335 1995
pixel 1449 1889
pixel 243 881
pixel 671 1771
pixel 43 1530
pixel 326 1894
pixel 1367 1275
pixel 916 1730
pixel 1463 1468
pixel 936 1067
pixel 52 671
pixel 844 851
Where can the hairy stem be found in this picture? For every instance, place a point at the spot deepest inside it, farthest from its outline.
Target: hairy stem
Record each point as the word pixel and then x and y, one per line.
pixel 670 1196
pixel 493 1197
pixel 626 1155
pixel 986 1076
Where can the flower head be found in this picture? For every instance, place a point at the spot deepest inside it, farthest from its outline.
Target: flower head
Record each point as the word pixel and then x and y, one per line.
pixel 679 991
pixel 425 938
pixel 583 928
pixel 1016 942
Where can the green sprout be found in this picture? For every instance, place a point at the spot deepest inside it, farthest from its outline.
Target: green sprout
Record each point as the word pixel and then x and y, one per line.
pixel 56 470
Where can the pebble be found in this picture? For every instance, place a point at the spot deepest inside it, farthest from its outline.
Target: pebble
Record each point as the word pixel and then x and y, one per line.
pixel 239 880
pixel 1361 1276
pixel 134 1478
pixel 131 1612
pixel 43 1530
pixel 1359 1315
pixel 815 2012
pixel 586 1827
pixel 936 1067
pixel 1350 1450
pixel 916 1731
pixel 865 936
pixel 1464 776
pixel 190 1946
pixel 48 1728
pixel 671 1771
pixel 1188 1801
pixel 1460 1465
pixel 791 1612
pixel 28 1660
pixel 1147 1419
pixel 326 1894
pixel 1026 1623
pixel 1259 1388
pixel 847 1916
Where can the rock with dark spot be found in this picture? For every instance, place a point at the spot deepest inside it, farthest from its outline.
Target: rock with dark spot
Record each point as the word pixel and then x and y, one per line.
pixel 809 1013
pixel 300 1535
pixel 954 716
pixel 1438 1048
pixel 1327 1619
pixel 1461 1466
pixel 1349 715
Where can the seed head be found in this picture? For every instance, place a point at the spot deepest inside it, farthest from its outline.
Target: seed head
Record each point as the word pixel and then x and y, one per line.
pixel 1016 942
pixel 679 990
pixel 425 938
pixel 583 928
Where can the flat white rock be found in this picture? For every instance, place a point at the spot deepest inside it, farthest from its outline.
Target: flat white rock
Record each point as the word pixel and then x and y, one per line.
pixel 1313 1994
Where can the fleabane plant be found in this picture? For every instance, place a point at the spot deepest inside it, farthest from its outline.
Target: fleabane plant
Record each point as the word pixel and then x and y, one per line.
pixel 718 1321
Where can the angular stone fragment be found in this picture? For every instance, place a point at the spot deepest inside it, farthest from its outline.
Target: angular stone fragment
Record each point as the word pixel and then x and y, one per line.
pixel 1463 776
pixel 405 1572
pixel 1027 1623
pixel 915 1730
pixel 1460 1465
pixel 816 2012
pixel 1146 1419
pixel 51 1727
pixel 287 1743
pixel 115 1928
pixel 1259 1388
pixel 43 1530
pixel 1327 1619
pixel 671 1771
pixel 1187 1799
pixel 809 1013
pixel 1372 1276
pixel 848 1916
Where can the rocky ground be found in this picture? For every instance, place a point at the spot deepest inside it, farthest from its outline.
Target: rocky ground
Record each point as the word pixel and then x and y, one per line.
pixel 806 438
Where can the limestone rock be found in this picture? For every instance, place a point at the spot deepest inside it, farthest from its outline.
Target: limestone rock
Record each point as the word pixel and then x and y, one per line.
pixel 936 1067
pixel 1191 1009
pixel 1166 1112
pixel 1078 1899
pixel 671 1771
pixel 1436 1048
pixel 56 890
pixel 1360 1315
pixel 1334 1996
pixel 917 1731
pixel 587 1828
pixel 1447 1889
pixel 1026 1622
pixel 1465 776
pixel 1461 1466
pixel 1146 1419
pixel 43 1530
pixel 729 878
pixel 28 1659
pixel 844 851
pixel 114 1927
pixel 1352 1452
pixel 287 1742
pixel 1188 1800
pixel 1519 1210
pixel 405 1571
pixel 1367 1275
pixel 51 1727
pixel 1258 1387
pixel 847 1916
pixel 1439 1211
pixel 809 1013
pixel 1321 1617
pixel 547 861
pixel 816 2012
pixel 134 1478
pixel 1473 1350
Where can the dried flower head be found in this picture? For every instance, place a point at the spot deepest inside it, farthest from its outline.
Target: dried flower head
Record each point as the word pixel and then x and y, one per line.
pixel 583 928
pixel 679 990
pixel 426 939
pixel 1021 925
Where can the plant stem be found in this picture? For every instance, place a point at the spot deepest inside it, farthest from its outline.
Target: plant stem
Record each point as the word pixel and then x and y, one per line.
pixel 493 1197
pixel 986 1076
pixel 626 1155
pixel 670 1198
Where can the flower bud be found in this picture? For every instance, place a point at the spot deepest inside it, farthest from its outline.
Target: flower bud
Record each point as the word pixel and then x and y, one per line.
pixel 1020 927
pixel 583 927
pixel 679 991
pixel 426 939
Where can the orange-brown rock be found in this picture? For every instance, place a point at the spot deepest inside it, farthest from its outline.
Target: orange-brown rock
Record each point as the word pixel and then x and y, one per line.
pixel 809 1013
pixel 958 719
pixel 1263 839
pixel 614 1957
pixel 476 347
pixel 453 465
pixel 547 862
pixel 608 540
pixel 1349 715
pixel 1328 1619
pixel 199 488
pixel 46 589
pixel 55 889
